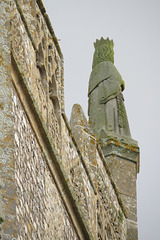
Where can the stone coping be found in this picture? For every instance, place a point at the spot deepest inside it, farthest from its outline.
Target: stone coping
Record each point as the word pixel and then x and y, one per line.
pixel 123 150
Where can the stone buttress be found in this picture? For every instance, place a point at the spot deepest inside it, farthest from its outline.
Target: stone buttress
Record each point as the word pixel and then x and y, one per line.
pixel 108 119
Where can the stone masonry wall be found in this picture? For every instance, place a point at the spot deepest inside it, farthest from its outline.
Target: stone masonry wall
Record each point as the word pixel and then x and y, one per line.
pixel 39 63
pixel 40 210
pixel 7 162
pixel 54 184
pixel 110 213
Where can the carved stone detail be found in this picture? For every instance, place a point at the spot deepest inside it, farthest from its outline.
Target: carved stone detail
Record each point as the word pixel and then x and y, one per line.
pixel 106 111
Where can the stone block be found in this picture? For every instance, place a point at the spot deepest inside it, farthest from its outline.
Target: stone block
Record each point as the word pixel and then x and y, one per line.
pixel 132 230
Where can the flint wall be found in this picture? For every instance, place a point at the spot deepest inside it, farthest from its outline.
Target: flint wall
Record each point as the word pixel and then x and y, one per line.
pixel 53 182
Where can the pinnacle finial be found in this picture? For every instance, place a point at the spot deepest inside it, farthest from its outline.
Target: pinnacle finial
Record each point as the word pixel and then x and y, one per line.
pixel 103 41
pixel 103 51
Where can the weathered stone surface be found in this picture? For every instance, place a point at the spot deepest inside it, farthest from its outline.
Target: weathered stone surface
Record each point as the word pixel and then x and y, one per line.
pixel 130 204
pixel 124 175
pixel 55 181
pixel 106 110
pixel 41 69
pixel 40 210
pixel 109 223
pixel 123 162
pixel 132 232
pixel 7 167
pixel 79 180
pixel 108 119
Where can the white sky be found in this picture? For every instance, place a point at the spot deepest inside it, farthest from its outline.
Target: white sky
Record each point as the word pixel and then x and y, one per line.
pixel 134 27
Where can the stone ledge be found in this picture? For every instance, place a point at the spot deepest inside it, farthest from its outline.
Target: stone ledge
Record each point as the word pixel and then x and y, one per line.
pixel 122 150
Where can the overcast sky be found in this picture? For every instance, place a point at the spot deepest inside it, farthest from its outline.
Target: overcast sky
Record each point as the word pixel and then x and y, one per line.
pixel 134 27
